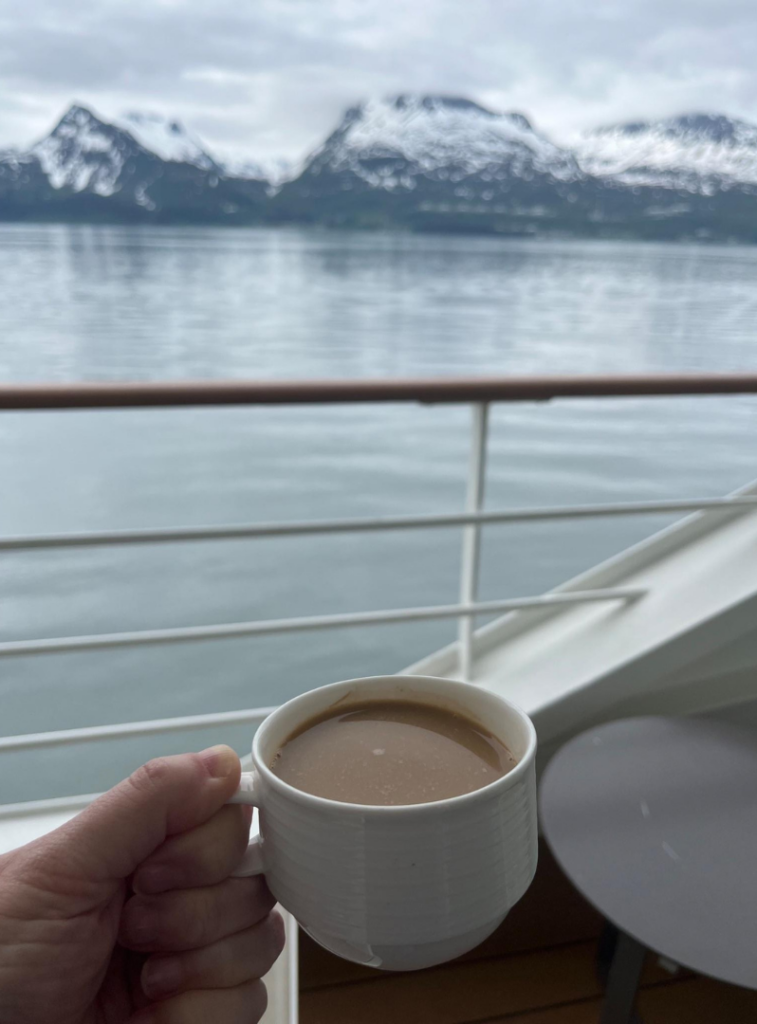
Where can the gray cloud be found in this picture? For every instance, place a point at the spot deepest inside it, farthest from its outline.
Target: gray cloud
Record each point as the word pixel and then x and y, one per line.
pixel 270 77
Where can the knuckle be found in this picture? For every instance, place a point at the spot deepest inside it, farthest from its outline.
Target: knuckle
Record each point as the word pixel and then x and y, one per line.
pixel 198 765
pixel 266 957
pixel 185 920
pixel 211 860
pixel 150 776
pixel 258 895
pixel 261 945
pixel 167 921
pixel 167 1012
pixel 204 855
pixel 258 996
pixel 275 933
pixel 200 919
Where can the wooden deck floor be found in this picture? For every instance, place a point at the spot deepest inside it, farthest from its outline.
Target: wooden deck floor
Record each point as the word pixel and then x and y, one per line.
pixel 539 968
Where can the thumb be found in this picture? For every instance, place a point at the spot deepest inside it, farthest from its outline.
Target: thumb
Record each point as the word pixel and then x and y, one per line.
pixel 111 837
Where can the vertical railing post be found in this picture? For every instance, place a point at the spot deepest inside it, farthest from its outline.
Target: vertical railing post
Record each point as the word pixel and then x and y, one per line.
pixel 469 568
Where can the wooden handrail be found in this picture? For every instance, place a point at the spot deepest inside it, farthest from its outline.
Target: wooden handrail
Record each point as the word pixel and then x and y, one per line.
pixel 447 390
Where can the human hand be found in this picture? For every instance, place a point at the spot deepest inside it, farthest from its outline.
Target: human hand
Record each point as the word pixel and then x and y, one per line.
pixel 128 912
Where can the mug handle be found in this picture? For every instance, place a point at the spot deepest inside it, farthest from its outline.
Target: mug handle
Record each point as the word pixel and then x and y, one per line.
pixel 252 860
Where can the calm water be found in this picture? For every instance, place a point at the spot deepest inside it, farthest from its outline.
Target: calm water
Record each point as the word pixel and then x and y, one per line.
pixel 118 303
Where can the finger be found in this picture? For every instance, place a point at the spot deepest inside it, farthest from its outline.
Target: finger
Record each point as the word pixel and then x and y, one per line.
pixel 202 856
pixel 190 918
pixel 245 1004
pixel 112 836
pixel 232 961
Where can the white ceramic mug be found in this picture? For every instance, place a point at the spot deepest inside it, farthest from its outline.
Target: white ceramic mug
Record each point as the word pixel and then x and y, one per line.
pixel 396 887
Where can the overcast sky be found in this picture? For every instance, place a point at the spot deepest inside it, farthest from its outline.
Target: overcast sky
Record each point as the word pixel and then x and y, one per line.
pixel 270 77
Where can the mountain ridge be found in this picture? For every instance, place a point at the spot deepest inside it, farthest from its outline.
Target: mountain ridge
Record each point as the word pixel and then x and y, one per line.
pixel 418 162
pixel 694 152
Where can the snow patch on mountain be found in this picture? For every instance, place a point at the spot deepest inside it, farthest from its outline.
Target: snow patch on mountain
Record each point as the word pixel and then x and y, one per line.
pixel 694 152
pixel 242 167
pixel 166 137
pixel 14 158
pixel 437 135
pixel 142 199
pixel 274 171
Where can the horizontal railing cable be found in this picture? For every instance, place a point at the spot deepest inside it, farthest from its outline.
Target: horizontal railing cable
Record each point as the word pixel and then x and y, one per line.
pixel 267 627
pixel 242 531
pixel 90 734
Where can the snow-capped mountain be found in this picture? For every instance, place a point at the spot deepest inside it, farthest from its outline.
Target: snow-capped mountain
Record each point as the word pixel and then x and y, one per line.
pixel 167 138
pixel 83 153
pixel 390 144
pixel 414 159
pixel 139 166
pixel 86 152
pixel 698 153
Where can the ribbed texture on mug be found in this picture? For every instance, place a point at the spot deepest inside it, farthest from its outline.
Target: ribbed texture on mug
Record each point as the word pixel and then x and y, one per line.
pixel 398 878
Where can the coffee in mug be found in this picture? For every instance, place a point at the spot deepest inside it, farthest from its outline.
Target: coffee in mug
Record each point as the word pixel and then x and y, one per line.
pixel 390 752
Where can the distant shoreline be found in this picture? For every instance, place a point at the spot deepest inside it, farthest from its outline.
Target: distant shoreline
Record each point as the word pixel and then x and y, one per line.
pixel 692 238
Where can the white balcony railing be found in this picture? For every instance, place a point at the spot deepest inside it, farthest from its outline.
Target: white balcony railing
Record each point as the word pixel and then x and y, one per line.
pixel 478 393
